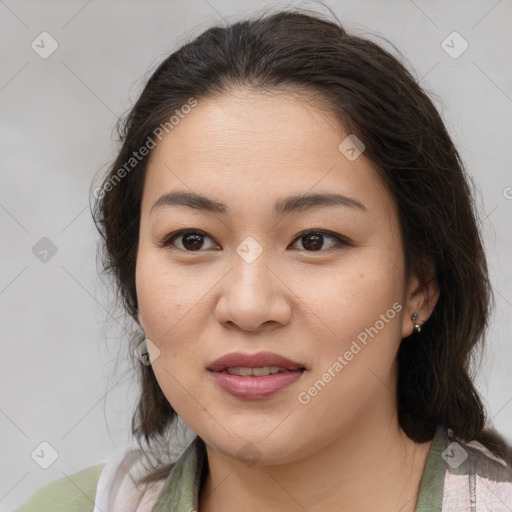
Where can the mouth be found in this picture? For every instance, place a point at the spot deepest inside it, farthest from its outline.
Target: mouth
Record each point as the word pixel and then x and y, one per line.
pixel 257 365
pixel 254 376
pixel 262 371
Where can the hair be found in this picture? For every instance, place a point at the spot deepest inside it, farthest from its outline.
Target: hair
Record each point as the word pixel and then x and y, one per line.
pixel 376 98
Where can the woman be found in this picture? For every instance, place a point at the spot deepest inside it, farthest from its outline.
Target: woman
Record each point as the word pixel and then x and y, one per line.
pixel 292 228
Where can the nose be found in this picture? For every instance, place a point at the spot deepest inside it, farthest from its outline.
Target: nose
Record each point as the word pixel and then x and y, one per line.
pixel 253 296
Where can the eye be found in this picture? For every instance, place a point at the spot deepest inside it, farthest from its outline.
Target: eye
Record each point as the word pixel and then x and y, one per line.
pixel 313 240
pixel 190 240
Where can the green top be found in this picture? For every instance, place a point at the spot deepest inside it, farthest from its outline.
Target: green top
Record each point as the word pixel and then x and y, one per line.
pixel 181 489
pixel 76 493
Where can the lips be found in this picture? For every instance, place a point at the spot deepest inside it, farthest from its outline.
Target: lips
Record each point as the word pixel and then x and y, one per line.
pixel 258 360
pixel 254 376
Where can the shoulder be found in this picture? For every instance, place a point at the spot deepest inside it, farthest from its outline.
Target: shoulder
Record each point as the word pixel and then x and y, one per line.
pixel 484 464
pixel 75 492
pixel 476 477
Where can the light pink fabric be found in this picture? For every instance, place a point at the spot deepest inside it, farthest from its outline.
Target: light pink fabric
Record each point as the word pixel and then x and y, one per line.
pixel 476 492
pixel 116 490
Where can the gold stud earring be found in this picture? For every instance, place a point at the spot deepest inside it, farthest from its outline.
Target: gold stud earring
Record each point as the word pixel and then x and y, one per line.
pixel 414 319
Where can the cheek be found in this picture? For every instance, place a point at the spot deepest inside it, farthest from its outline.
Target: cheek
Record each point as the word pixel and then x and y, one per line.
pixel 354 362
pixel 164 296
pixel 170 303
pixel 363 289
pixel 362 307
pixel 166 304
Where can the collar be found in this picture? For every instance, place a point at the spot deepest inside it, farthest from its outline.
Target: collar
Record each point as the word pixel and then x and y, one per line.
pixel 180 492
pixel 430 496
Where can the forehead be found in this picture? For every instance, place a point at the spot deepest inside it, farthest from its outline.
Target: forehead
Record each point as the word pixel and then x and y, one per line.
pixel 244 122
pixel 251 147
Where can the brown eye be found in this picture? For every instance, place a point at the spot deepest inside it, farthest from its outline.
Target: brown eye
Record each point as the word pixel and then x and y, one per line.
pixel 190 241
pixel 313 241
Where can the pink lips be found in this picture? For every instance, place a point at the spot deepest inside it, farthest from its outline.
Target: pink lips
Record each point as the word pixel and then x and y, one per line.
pixel 253 387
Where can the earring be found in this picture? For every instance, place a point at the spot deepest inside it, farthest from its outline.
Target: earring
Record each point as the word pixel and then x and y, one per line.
pixel 414 319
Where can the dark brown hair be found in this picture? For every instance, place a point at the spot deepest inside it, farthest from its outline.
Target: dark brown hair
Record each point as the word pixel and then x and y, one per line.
pixel 376 98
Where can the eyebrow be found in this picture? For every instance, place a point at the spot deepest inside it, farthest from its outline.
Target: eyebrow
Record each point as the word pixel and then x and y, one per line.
pixel 284 206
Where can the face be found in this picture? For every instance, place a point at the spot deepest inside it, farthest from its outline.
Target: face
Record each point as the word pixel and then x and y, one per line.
pixel 319 281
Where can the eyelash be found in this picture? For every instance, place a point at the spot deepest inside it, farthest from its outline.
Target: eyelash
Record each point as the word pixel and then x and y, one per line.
pixel 340 241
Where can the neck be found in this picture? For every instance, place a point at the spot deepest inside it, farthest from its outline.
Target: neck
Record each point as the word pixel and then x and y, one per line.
pixel 368 467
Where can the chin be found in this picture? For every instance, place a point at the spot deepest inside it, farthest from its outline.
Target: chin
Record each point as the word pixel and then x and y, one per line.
pixel 257 450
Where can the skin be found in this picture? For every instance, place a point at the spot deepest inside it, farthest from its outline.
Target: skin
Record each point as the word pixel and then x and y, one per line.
pixel 344 450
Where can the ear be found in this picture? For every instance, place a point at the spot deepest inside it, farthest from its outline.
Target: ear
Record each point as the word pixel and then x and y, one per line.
pixel 420 299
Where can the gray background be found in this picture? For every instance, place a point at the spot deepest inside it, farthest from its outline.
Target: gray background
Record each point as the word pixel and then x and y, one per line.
pixel 59 378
